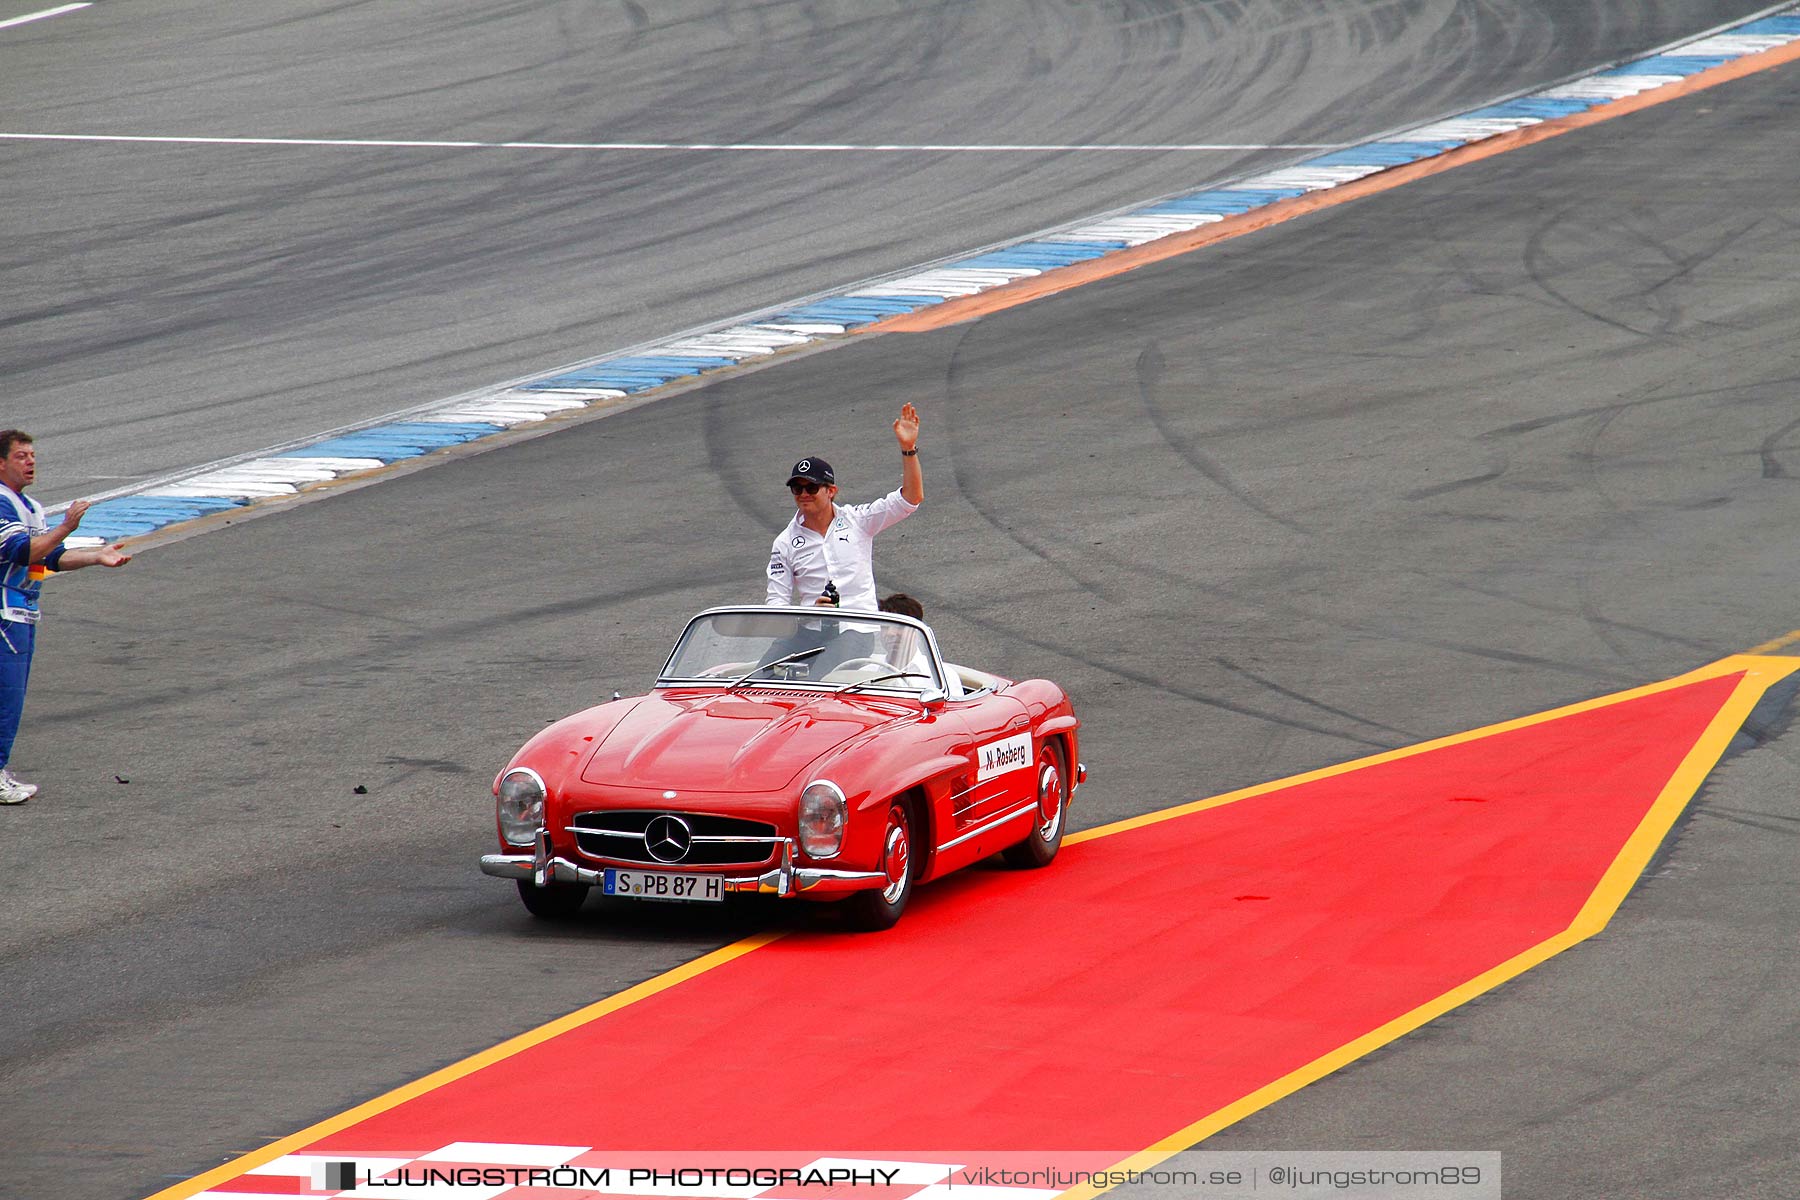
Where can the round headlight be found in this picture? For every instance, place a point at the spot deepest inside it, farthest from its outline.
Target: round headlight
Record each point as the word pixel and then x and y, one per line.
pixel 823 815
pixel 520 806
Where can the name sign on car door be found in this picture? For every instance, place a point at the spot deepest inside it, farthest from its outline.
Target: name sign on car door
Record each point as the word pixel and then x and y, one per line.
pixel 1007 754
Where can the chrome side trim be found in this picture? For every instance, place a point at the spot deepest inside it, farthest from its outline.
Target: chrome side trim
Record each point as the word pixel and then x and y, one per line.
pixel 1015 814
pixel 955 796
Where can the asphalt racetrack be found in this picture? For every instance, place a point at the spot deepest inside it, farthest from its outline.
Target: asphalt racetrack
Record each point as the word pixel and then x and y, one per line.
pixel 173 303
pixel 1496 441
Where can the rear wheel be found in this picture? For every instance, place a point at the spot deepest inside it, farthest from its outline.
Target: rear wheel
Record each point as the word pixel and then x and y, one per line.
pixel 553 902
pixel 879 908
pixel 1053 800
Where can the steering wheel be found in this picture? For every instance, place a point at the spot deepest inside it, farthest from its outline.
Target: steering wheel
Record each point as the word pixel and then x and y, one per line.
pixel 857 664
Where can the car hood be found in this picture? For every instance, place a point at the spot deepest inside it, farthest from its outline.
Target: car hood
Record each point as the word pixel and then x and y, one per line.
pixel 718 742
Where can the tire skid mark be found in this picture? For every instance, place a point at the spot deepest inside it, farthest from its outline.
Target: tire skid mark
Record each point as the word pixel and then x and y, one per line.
pixel 1310 701
pixel 1068 651
pixel 1565 611
pixel 1270 603
pixel 1088 584
pixel 1456 485
pixel 1772 467
pixel 1150 370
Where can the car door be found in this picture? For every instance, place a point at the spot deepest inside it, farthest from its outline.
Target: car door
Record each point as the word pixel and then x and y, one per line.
pixel 993 796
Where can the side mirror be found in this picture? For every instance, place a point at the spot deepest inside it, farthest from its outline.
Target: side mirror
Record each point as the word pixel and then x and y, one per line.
pixel 933 699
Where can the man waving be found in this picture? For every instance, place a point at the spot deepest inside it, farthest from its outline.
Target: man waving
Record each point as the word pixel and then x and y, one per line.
pixel 825 555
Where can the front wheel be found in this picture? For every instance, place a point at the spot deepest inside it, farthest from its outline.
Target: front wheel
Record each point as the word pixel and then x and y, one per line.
pixel 879 908
pixel 553 902
pixel 1053 800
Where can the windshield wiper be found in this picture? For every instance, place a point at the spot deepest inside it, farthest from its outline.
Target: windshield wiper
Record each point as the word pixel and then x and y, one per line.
pixel 785 659
pixel 851 687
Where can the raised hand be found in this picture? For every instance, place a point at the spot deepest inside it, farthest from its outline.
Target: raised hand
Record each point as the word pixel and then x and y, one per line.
pixel 906 427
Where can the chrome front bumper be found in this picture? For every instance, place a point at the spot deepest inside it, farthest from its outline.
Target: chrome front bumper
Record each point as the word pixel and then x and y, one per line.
pixel 784 879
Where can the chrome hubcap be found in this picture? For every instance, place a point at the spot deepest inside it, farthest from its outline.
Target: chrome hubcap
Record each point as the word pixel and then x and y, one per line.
pixel 894 862
pixel 1050 801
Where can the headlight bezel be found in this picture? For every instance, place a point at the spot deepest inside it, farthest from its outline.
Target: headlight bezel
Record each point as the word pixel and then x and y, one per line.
pixel 519 810
pixel 823 819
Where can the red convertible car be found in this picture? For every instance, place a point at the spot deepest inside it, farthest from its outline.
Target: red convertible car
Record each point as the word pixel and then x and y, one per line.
pixel 796 752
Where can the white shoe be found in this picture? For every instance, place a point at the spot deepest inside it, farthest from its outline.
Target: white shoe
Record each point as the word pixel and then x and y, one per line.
pixel 12 791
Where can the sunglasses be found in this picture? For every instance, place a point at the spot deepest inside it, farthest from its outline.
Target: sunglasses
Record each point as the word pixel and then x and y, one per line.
pixel 810 489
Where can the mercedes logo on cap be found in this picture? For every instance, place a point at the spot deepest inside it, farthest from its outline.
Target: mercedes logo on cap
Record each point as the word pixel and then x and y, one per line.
pixel 667 838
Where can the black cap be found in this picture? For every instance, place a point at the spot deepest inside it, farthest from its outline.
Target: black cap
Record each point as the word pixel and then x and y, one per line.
pixel 815 469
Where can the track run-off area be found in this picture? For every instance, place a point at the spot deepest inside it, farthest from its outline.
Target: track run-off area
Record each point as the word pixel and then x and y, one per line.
pixel 1424 533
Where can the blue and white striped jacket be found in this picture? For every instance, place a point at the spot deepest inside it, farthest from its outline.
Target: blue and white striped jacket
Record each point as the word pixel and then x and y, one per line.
pixel 21 519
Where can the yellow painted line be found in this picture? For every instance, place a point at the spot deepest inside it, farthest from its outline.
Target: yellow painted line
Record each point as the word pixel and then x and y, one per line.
pixel 1760 674
pixel 468 1066
pixel 1774 644
pixel 1061 279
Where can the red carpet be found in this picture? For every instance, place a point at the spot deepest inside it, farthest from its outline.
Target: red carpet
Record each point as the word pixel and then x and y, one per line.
pixel 1149 978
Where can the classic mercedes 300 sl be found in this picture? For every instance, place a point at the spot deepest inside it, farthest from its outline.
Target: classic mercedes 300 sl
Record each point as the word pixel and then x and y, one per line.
pixel 795 752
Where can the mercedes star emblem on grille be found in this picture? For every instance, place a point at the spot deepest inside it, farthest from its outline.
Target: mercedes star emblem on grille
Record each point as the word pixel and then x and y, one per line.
pixel 667 838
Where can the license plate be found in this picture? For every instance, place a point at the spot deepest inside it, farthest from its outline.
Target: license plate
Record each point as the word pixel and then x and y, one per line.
pixel 663 885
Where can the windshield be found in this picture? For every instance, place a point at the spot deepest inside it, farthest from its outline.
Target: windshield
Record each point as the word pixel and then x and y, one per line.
pixel 869 651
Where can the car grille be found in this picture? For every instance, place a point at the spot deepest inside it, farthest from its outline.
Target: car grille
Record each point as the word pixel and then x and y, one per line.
pixel 674 839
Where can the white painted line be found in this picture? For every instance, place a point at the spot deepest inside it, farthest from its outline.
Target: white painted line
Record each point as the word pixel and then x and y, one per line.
pixel 707 147
pixel 924 289
pixel 239 490
pixel 1731 45
pixel 761 341
pixel 500 422
pixel 341 464
pixel 537 401
pixel 498 408
pixel 736 353
pixel 814 327
pixel 746 336
pixel 269 470
pixel 1160 228
pixel 463 416
pixel 1470 129
pixel 48 12
pixel 1138 226
pixel 952 276
pixel 1613 87
pixel 585 393
pixel 1312 178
